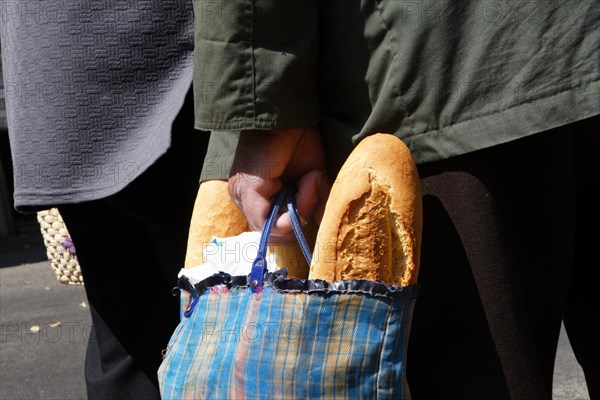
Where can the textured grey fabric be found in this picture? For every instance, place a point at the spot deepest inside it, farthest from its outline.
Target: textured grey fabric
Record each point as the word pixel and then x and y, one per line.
pixel 448 77
pixel 92 88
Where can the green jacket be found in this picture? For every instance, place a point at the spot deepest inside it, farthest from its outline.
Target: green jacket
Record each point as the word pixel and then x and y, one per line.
pixel 448 77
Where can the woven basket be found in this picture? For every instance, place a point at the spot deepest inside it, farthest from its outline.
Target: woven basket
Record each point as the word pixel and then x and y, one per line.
pixel 59 247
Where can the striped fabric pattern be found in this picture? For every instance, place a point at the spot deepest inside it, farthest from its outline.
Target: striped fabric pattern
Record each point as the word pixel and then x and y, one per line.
pixel 278 345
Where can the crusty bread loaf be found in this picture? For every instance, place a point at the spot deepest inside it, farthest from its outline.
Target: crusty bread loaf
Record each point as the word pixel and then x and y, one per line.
pixel 372 224
pixel 216 215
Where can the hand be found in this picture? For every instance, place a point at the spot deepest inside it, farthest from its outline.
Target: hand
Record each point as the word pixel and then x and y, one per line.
pixel 264 162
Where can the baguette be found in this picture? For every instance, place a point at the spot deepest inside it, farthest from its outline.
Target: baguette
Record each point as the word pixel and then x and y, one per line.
pixel 371 228
pixel 214 214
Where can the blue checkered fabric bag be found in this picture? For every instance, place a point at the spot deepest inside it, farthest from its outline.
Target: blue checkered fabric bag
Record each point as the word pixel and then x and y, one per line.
pixel 267 336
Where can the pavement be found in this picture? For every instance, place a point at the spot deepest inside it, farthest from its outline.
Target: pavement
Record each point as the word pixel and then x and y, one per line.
pixel 44 326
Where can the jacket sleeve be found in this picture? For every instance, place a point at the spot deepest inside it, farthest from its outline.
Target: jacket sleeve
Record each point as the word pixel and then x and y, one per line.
pixel 255 64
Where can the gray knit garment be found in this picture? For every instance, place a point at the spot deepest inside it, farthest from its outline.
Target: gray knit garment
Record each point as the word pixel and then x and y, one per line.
pixel 92 88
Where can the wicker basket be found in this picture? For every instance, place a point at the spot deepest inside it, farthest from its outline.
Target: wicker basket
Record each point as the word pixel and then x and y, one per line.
pixel 59 247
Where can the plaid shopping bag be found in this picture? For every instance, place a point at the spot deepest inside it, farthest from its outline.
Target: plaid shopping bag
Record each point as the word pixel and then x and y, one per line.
pixel 267 336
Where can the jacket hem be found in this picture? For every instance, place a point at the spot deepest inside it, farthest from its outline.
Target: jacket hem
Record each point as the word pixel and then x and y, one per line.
pixel 503 126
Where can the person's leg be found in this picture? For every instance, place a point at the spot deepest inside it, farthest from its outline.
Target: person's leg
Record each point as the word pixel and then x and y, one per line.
pixel 130 247
pixel 582 313
pixel 496 256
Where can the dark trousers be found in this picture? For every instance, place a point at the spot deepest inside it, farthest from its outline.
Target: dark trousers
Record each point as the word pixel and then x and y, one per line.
pixel 130 247
pixel 509 251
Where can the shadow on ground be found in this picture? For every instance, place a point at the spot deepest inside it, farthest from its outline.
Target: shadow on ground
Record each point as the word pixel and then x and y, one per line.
pixel 27 247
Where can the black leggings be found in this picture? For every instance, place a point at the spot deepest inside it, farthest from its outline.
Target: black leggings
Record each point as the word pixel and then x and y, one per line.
pixel 508 242
pixel 130 247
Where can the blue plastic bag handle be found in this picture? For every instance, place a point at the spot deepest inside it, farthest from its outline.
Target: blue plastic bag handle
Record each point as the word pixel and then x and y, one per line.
pixel 297 226
pixel 259 266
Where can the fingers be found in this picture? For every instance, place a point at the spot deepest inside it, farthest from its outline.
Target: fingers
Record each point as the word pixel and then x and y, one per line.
pixel 306 200
pixel 282 232
pixel 307 194
pixel 323 189
pixel 311 196
pixel 264 162
pixel 255 204
pixel 253 196
pixel 260 160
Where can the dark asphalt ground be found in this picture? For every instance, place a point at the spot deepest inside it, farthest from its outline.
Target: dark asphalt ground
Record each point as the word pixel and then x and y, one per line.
pixel 44 327
pixel 44 362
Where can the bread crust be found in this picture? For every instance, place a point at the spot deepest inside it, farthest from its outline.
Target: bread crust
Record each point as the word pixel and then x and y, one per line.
pixel 214 214
pixel 372 224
